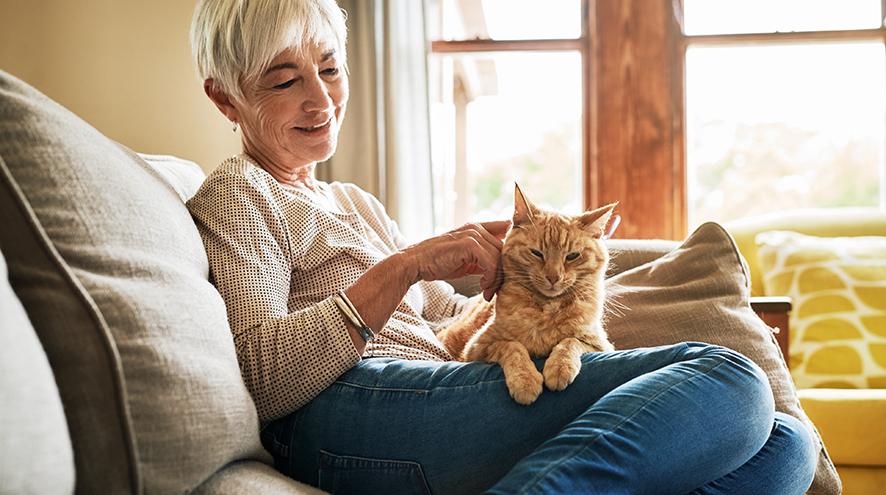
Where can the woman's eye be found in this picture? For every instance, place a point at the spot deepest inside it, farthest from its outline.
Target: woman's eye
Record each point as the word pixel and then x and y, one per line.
pixel 285 85
pixel 331 72
pixel 572 256
pixel 537 254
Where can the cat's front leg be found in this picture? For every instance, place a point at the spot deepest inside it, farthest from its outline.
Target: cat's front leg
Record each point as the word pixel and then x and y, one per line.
pixel 522 378
pixel 563 364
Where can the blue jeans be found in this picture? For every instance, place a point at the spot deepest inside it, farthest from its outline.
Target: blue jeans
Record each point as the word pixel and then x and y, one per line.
pixel 687 418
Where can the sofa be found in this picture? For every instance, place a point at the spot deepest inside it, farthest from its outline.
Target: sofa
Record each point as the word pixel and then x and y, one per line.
pixel 851 420
pixel 119 373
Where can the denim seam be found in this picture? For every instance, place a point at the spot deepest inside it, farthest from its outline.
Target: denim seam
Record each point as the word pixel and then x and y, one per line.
pixel 586 446
pixel 412 464
pixel 413 390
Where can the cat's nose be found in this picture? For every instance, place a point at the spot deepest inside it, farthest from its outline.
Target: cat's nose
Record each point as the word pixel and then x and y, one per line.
pixel 553 278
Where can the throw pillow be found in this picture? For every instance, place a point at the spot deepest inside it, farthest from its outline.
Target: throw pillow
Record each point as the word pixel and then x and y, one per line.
pixel 93 230
pixel 838 288
pixel 700 292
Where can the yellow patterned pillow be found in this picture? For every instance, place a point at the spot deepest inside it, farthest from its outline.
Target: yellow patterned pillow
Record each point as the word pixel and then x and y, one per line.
pixel 838 289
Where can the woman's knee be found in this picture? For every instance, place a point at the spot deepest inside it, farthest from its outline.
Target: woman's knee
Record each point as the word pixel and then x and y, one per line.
pixel 796 448
pixel 735 369
pixel 742 390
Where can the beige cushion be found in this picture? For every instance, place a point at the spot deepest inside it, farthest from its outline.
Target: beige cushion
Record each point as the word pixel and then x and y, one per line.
pixel 35 448
pixel 625 254
pixel 130 265
pixel 700 292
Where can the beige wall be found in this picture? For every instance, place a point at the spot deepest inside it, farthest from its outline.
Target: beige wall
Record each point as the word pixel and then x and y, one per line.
pixel 124 66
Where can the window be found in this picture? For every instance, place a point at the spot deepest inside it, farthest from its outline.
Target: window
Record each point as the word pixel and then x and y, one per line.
pixel 682 110
pixel 785 106
pixel 506 90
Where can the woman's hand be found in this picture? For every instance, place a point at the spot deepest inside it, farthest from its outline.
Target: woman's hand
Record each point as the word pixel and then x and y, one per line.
pixel 472 249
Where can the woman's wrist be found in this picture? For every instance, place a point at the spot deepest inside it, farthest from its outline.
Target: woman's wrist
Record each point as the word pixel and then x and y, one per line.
pixel 404 268
pixel 377 293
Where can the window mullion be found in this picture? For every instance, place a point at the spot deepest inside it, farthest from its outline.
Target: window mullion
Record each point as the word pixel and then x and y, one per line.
pixel 875 34
pixel 484 45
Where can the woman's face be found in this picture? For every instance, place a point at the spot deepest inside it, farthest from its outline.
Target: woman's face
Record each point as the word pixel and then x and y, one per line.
pixel 290 116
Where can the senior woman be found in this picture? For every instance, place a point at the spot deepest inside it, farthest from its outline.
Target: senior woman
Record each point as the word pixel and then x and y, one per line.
pixel 334 316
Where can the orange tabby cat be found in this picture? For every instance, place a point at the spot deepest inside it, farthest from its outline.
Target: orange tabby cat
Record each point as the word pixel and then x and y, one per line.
pixel 550 304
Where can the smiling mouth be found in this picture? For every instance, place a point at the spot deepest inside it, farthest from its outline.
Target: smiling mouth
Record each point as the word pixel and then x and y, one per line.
pixel 316 128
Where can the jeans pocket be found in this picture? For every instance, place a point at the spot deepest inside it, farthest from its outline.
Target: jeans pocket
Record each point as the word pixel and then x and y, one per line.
pixel 343 475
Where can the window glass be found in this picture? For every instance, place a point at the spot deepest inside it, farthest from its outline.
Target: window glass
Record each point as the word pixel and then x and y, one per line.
pixel 504 19
pixel 784 126
pixel 497 118
pixel 768 16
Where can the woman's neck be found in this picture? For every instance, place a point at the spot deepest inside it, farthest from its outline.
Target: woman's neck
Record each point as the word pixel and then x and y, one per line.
pixel 301 177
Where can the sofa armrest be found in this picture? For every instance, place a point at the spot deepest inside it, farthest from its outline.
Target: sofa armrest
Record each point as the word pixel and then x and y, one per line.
pixel 774 311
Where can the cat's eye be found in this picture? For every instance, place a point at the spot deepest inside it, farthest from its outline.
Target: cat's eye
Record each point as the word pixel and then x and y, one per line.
pixel 572 256
pixel 537 254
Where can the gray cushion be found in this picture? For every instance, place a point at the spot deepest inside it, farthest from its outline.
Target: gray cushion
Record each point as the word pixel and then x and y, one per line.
pixel 140 273
pixel 700 292
pixel 34 434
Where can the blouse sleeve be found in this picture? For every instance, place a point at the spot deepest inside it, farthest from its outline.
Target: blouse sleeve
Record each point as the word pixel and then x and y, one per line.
pixel 286 358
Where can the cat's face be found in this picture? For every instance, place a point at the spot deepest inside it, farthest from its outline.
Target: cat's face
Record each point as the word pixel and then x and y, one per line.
pixel 554 254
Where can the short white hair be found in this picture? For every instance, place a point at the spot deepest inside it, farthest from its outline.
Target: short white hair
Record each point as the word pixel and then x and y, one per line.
pixel 234 41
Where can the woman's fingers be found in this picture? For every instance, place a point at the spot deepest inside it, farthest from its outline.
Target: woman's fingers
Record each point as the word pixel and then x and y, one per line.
pixel 471 249
pixel 488 260
pixel 498 228
pixel 490 240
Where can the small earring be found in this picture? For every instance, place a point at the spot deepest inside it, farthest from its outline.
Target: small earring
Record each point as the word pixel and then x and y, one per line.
pixel 234 129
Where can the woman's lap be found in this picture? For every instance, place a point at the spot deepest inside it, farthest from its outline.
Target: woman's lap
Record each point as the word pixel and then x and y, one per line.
pixel 454 428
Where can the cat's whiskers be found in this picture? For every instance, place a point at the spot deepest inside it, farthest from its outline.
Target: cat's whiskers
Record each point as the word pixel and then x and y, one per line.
pixel 535 314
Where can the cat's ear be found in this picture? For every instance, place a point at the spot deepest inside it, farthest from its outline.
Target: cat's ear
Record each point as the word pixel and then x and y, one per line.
pixel 595 221
pixel 523 209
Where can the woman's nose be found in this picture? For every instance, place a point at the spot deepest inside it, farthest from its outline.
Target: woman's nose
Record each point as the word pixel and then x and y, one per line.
pixel 317 97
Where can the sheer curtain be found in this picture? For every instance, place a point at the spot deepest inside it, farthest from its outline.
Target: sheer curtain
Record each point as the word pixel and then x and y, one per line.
pixel 384 146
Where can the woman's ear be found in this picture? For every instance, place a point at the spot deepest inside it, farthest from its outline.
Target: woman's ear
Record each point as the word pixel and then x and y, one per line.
pixel 221 99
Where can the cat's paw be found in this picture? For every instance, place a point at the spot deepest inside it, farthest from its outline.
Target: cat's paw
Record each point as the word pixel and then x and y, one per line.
pixel 525 386
pixel 559 373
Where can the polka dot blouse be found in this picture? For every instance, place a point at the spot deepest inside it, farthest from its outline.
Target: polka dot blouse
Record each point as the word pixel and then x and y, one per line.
pixel 277 255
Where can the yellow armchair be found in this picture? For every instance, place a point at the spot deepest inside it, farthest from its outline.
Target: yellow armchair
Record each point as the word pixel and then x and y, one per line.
pixel 852 422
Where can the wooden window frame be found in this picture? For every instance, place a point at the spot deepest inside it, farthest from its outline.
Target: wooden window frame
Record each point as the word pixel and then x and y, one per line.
pixel 633 102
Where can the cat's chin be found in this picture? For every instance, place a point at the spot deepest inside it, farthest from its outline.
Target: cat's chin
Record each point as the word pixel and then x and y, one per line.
pixel 550 293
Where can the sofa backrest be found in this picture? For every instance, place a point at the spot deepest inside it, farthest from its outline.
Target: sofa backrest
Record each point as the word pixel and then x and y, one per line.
pixel 822 222
pixel 112 272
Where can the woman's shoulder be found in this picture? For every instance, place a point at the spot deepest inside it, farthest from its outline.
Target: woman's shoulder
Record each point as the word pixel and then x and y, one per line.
pixel 357 196
pixel 233 178
pixel 240 169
